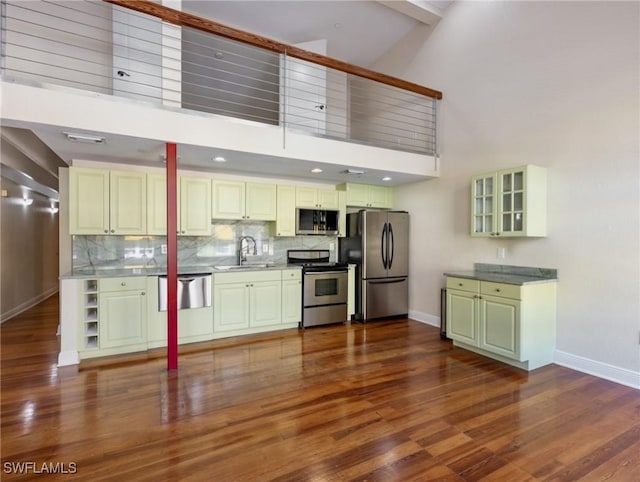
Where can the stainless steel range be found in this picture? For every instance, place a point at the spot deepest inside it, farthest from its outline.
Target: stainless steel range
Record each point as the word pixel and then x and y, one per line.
pixel 324 287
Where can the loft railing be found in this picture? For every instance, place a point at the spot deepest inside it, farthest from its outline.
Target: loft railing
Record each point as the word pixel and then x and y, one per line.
pixel 142 50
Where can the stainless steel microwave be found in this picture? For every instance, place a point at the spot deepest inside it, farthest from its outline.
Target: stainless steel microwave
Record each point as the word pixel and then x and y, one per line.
pixel 317 221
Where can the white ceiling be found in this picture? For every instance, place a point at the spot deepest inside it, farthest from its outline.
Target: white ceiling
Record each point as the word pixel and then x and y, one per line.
pixel 366 30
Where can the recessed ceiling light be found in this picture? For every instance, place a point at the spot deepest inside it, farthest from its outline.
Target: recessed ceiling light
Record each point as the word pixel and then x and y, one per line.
pixel 86 138
pixel 386 178
pixel 316 170
pixel 219 159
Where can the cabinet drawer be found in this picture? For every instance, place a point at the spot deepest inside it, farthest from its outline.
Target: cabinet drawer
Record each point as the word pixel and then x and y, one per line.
pixel 500 289
pixel 463 284
pixel 123 284
pixel 248 276
pixel 288 274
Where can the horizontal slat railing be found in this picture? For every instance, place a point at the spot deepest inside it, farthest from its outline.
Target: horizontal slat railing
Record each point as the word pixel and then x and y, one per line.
pixel 143 50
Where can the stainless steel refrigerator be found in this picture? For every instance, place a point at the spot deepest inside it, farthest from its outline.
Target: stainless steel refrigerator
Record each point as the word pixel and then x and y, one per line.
pixel 378 243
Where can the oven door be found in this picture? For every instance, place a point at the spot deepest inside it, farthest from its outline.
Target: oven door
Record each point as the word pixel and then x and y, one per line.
pixel 325 288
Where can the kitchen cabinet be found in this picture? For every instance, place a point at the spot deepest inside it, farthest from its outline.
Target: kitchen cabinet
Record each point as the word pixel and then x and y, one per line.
pixel 291 296
pixel 247 299
pixel 285 211
pixel 367 196
pixel 512 323
pixel 194 205
pixel 317 198
pixel 123 314
pixel 351 295
pixel 240 200
pixel 509 203
pixel 107 202
pixel 342 220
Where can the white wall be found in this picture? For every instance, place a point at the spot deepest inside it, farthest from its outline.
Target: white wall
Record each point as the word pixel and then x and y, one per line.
pixel 548 83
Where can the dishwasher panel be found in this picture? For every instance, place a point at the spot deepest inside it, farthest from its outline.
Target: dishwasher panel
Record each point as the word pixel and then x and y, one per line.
pixel 194 291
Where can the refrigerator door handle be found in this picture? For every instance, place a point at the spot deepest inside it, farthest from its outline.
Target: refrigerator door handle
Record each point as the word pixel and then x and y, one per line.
pixel 390 243
pixel 383 246
pixel 386 281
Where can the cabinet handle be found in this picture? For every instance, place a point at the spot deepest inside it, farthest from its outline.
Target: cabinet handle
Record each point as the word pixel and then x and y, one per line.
pixel 123 284
pixel 498 290
pixel 460 284
pixel 113 231
pixel 183 232
pixel 106 230
pixel 143 293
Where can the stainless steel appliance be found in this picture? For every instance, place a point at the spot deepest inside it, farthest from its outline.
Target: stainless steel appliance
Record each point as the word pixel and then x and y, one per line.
pixel 324 287
pixel 317 221
pixel 378 243
pixel 194 291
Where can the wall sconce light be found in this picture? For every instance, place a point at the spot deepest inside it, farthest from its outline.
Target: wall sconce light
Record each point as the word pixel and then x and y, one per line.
pixel 27 201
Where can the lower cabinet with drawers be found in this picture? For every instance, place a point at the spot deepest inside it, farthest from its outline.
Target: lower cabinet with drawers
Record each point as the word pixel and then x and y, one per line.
pixel 515 324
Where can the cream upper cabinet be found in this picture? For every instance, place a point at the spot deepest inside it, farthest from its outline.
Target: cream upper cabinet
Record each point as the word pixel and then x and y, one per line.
pixel 88 201
pixel 367 196
pixel 157 204
pixel 513 323
pixel 510 202
pixel 240 200
pixel 286 211
pixel 107 202
pixel 195 206
pixel 261 201
pixel 194 201
pixel 317 198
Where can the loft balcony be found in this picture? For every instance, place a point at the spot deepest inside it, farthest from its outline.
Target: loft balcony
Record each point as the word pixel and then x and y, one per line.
pixel 141 78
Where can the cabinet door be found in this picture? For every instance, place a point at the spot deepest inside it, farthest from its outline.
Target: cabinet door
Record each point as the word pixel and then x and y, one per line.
pixel 157 204
pixel 286 216
pixel 228 200
pixel 306 197
pixel 195 206
pixel 230 306
pixel 357 195
pixel 265 303
pixel 500 326
pixel 511 210
pixel 123 317
pixel 128 202
pixel 328 199
pixel 483 205
pixel 261 201
pixel 379 197
pixel 462 316
pixel 342 207
pixel 88 201
pixel 292 301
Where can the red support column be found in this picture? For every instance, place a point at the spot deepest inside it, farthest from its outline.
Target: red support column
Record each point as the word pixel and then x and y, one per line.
pixel 172 257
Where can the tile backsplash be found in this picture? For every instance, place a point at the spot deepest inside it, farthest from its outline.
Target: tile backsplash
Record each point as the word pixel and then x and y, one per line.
pixel 218 249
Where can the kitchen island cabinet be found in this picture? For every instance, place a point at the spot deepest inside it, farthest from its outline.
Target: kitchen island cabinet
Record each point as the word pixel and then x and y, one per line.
pixel 515 324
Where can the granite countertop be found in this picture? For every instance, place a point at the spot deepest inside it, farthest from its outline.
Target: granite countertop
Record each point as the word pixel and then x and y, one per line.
pixel 108 272
pixel 515 275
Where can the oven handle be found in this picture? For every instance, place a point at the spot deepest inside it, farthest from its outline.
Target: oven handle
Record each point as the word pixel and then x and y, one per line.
pixel 317 273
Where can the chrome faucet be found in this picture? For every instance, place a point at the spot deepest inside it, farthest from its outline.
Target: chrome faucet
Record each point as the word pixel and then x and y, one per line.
pixel 243 251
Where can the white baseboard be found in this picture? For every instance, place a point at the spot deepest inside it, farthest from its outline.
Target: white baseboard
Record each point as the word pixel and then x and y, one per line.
pixel 598 369
pixel 28 304
pixel 66 358
pixel 425 318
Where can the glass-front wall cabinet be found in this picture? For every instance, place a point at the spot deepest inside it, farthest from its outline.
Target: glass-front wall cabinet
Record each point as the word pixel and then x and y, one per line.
pixel 509 202
pixel 484 205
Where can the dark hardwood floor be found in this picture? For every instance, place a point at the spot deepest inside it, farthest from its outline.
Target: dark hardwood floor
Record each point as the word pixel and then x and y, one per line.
pixel 386 401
